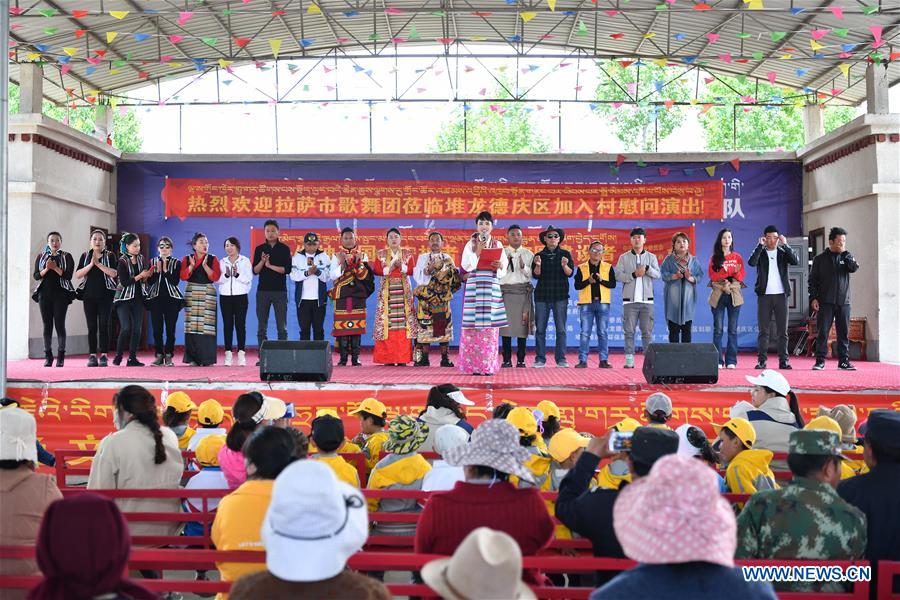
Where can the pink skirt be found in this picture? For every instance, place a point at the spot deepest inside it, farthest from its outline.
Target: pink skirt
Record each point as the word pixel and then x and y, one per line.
pixel 478 351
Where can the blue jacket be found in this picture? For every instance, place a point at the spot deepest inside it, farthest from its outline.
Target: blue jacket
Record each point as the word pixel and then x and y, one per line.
pixel 680 296
pixel 686 581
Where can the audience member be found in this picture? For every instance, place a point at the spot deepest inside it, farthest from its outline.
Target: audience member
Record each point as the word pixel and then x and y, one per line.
pixel 823 423
pixel 139 455
pixel 658 410
pixel 24 494
pixel 590 513
pixel 548 420
pixel 845 415
pixel 487 564
pixel 249 411
pixel 486 498
pixel 747 468
pixel 806 519
pixel 402 469
pixel 328 435
pixel 539 463
pixel 678 527
pixel 615 472
pixel 82 550
pixel 372 436
pixel 209 477
pixel 876 492
pixel 443 476
pixel 313 525
pixel 692 442
pixel 565 449
pixel 346 446
pixel 210 416
pixel 444 407
pixel 43 456
pixel 773 410
pixel 240 515
pixel 501 410
pixel 179 407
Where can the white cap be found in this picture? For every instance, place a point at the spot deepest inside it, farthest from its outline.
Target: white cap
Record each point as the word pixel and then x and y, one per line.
pixel 18 435
pixel 659 401
pixel 772 380
pixel 448 436
pixel 272 408
pixel 314 524
pixel 685 448
pixel 460 398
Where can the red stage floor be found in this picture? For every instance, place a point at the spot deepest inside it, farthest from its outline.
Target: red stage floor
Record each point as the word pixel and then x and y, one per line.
pixel 869 376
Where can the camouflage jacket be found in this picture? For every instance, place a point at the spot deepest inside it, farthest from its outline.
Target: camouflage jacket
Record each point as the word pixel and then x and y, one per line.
pixel 804 520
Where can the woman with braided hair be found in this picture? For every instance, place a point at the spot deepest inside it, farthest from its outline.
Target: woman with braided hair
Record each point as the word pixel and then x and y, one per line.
pixel 140 454
pixel 129 298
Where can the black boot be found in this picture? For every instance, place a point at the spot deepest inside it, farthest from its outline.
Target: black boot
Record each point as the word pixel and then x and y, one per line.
pixel 445 357
pixel 420 356
pixel 354 350
pixel 160 361
pixel 61 358
pixel 48 358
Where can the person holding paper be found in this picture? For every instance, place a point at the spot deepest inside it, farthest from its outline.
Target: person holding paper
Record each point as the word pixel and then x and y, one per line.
pixel 483 310
pixel 437 279
pixel 552 268
pixel 395 317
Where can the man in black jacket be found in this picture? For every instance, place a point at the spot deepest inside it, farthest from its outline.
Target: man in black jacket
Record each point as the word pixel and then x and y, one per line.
pixel 771 259
pixel 590 513
pixel 875 493
pixel 829 295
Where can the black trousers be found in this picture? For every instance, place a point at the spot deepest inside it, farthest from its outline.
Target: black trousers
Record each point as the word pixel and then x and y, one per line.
pixel 765 306
pixel 97 313
pixel 312 319
pixel 234 316
pixel 840 315
pixel 679 334
pixel 348 344
pixel 131 317
pixel 53 312
pixel 164 314
pixel 264 301
pixel 521 348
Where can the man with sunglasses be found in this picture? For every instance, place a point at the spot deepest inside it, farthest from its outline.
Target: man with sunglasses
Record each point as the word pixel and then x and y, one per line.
pixel 552 268
pixel 310 269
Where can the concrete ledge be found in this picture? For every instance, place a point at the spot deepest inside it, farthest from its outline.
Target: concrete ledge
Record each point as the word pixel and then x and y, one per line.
pixel 859 127
pixel 27 188
pixel 45 126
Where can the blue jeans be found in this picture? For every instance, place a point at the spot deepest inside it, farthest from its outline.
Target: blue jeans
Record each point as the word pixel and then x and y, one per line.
pixel 725 306
pixel 542 316
pixel 594 313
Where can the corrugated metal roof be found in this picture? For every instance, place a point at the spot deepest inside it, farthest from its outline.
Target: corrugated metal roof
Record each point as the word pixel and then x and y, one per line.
pixel 118 45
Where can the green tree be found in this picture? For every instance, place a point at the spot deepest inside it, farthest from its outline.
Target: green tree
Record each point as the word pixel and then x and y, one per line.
pixel 126 128
pixel 758 127
pixel 492 127
pixel 641 129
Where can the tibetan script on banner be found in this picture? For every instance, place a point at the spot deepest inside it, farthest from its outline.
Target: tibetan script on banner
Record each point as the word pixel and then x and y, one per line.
pixel 260 198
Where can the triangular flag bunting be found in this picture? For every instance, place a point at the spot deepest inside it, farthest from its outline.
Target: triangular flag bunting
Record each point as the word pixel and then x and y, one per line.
pixel 815 45
pixel 841 32
pixel 275 44
pixel 175 38
pixel 663 171
pixel 70 51
pixel 184 17
pixel 527 16
pixel 710 170
pixel 110 36
pixel 777 35
pixel 771 76
pixel 837 11
pixel 314 9
pixel 845 69
pixel 209 41
pixel 551 4
pixel 241 42
pixel 620 158
pixel 118 14
pixel 736 163
pixel 80 32
pixel 582 28
pixel 48 12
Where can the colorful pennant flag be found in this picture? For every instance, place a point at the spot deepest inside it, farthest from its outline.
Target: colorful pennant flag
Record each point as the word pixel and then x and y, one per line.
pixel 110 36
pixel 275 44
pixel 118 14
pixel 710 170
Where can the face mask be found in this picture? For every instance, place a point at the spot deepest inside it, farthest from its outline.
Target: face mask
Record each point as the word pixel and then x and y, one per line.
pixel 179 430
pixel 118 421
pixel 618 467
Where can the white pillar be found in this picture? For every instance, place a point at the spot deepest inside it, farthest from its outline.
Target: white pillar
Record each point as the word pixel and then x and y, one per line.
pixel 813 127
pixel 877 90
pixel 31 88
pixel 103 121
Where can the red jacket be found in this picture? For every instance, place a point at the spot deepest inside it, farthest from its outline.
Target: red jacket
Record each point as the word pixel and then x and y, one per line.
pixel 732 267
pixel 450 516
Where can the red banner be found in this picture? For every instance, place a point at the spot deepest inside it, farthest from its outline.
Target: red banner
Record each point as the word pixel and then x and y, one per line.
pixel 615 241
pixel 77 419
pixel 261 198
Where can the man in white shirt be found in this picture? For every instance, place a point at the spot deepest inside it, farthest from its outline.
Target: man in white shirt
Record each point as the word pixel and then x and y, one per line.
pixel 437 279
pixel 771 259
pixel 518 297
pixel 310 269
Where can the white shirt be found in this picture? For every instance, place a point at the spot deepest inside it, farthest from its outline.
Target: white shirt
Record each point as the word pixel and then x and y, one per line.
pixel 469 261
pixel 206 479
pixel 419 274
pixel 235 286
pixel 300 267
pixel 639 285
pixel 442 477
pixel 774 284
pixel 515 274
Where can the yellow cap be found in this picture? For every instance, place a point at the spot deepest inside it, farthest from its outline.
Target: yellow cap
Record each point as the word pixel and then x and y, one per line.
pixel 523 420
pixel 181 402
pixel 824 423
pixel 331 412
pixel 207 451
pixel 626 425
pixel 210 412
pixel 548 409
pixel 564 443
pixel 741 428
pixel 371 406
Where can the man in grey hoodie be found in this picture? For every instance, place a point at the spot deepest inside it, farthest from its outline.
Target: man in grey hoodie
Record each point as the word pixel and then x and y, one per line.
pixel 637 269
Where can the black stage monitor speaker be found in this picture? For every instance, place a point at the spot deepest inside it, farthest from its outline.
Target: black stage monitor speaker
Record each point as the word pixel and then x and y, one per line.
pixel 681 363
pixel 295 361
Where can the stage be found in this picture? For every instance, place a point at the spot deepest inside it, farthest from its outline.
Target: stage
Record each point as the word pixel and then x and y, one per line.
pixel 870 376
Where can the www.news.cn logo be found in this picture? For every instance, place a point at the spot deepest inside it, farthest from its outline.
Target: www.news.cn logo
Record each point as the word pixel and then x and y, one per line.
pixel 808 573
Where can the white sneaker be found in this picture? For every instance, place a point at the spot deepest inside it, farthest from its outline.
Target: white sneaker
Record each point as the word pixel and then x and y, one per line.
pixel 731 367
pixel 228 358
pixel 242 359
